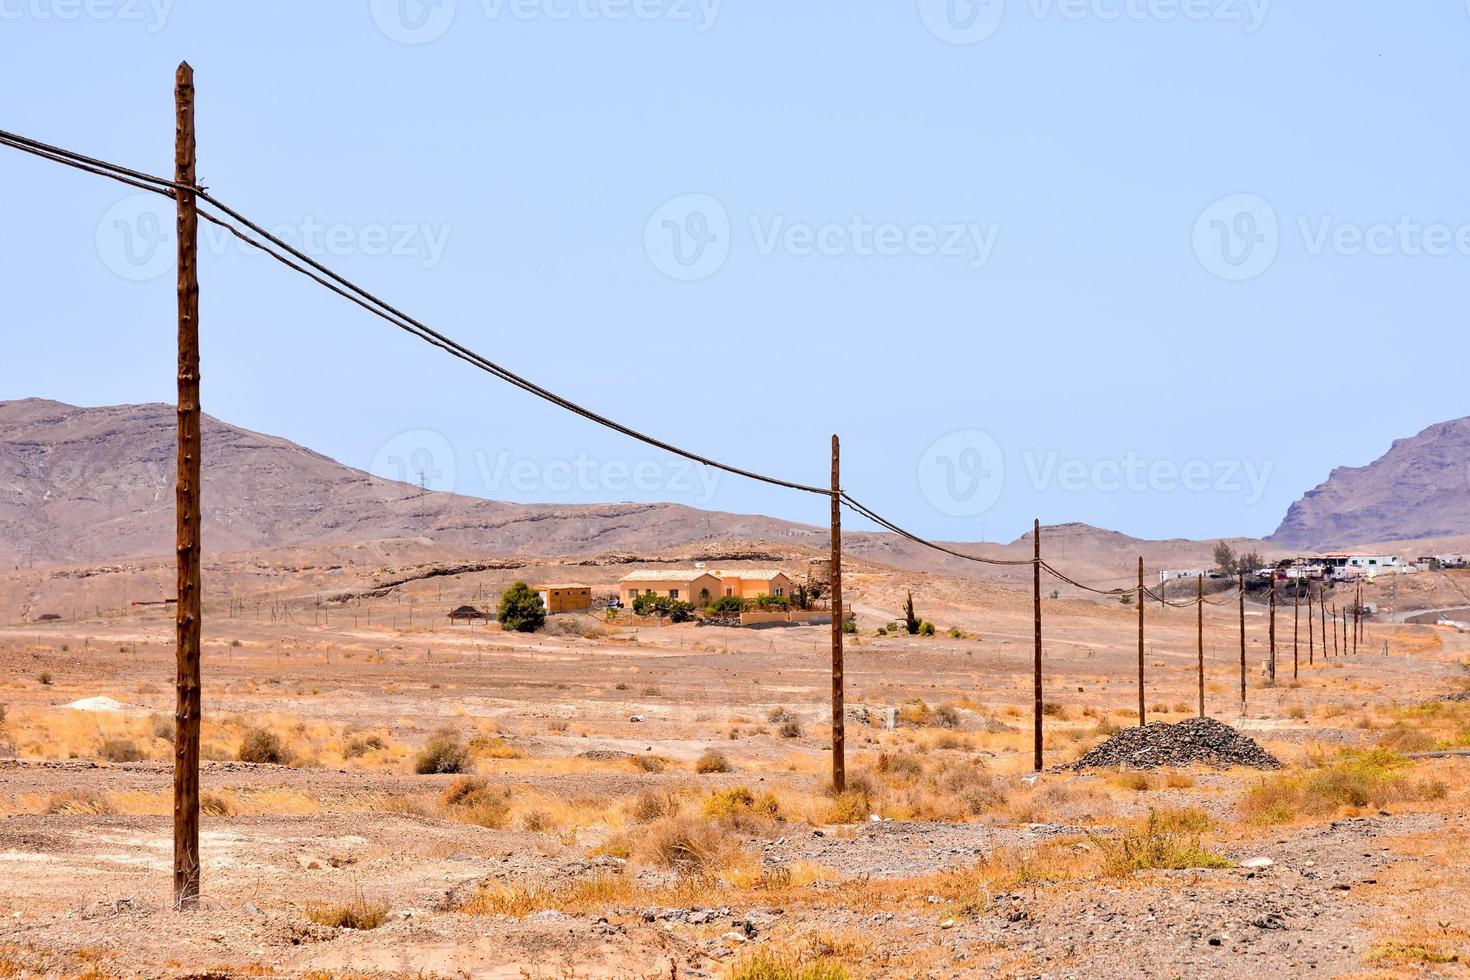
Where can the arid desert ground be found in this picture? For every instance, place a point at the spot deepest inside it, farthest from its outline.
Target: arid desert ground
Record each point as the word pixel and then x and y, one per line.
pixel 655 801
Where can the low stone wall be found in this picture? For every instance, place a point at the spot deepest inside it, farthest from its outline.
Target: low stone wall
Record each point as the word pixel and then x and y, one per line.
pixel 795 617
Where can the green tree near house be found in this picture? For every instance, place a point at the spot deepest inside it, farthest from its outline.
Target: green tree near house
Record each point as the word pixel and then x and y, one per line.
pixel 521 609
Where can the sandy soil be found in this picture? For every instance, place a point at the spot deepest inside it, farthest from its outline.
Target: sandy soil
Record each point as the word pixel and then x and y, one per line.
pixel 557 723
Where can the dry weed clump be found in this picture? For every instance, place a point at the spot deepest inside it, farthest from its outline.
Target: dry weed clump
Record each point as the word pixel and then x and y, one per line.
pixel 77 803
pixel 649 805
pixel 740 807
pixel 650 763
pixel 713 762
pixel 1353 778
pixel 1165 839
pixel 262 745
pixel 357 912
pixel 769 964
pixel 472 800
pixel 120 750
pixel 583 895
pixel 688 844
pixel 442 754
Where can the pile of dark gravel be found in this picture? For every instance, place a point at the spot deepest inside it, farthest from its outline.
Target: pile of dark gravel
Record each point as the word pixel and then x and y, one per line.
pixel 1201 741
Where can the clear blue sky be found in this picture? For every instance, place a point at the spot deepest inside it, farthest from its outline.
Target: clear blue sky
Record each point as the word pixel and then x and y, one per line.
pixel 977 242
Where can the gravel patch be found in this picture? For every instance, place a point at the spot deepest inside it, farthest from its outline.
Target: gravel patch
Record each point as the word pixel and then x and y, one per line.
pixel 1198 740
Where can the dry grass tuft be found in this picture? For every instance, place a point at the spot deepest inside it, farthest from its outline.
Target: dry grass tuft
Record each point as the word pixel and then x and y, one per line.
pixel 472 800
pixel 443 753
pixel 78 803
pixel 1353 779
pixel 1167 839
pixel 356 913
pixel 120 750
pixel 262 745
pixel 712 762
pixel 687 844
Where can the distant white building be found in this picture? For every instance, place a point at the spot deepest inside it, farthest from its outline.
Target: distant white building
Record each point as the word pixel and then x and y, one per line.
pixel 1176 575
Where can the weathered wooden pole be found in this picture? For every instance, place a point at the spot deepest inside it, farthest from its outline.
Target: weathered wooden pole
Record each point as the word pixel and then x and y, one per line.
pixel 1296 630
pixel 187 508
pixel 1322 615
pixel 839 616
pixel 1242 643
pixel 1271 654
pixel 1335 649
pixel 1357 613
pixel 1141 719
pixel 1199 609
pixel 1036 665
pixel 1311 635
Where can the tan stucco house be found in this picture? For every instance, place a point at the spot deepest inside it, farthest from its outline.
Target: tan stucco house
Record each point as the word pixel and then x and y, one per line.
pixel 690 584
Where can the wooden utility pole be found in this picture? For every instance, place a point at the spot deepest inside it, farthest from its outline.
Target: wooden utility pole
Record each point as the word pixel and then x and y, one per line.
pixel 1271 654
pixel 1141 597
pixel 1199 608
pixel 187 508
pixel 1335 649
pixel 1357 613
pixel 839 617
pixel 1242 644
pixel 1036 618
pixel 1311 635
pixel 1296 631
pixel 1322 616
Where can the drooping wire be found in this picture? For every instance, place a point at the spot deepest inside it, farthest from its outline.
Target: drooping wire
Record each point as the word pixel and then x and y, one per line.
pixel 304 264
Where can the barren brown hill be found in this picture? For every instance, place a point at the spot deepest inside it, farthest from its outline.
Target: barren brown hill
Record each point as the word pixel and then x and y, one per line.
pixel 88 484
pixel 1420 488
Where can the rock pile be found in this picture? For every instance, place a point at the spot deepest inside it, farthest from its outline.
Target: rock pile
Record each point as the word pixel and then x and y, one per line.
pixel 1198 740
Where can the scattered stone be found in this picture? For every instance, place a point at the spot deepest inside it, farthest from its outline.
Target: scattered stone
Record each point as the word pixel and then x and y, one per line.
pixel 1258 862
pixel 1197 740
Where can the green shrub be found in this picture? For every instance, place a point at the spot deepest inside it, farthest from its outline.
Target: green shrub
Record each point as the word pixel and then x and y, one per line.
pixel 521 609
pixel 926 628
pixel 726 605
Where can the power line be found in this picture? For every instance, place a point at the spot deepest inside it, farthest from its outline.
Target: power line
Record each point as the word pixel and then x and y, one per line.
pixel 410 325
pixel 319 273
